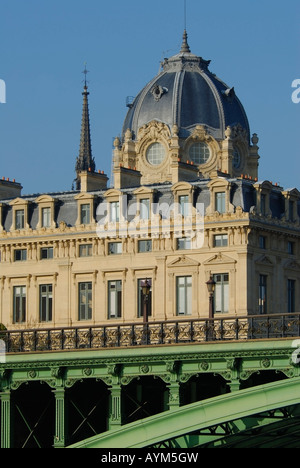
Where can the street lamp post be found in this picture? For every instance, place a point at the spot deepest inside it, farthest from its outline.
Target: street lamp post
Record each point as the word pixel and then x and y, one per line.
pixel 211 284
pixel 146 287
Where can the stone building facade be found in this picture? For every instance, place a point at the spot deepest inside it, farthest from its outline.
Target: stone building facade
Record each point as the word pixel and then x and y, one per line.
pixel 186 205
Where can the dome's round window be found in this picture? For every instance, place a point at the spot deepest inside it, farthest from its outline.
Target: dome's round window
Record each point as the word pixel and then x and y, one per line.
pixel 236 159
pixel 156 154
pixel 199 153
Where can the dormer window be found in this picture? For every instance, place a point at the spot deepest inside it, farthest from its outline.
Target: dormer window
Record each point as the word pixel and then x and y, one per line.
pixel 220 202
pixel 46 217
pixel 46 212
pixel 144 208
pixel 19 214
pixel 184 205
pixel 85 209
pixel 19 219
pixel 85 213
pixel 115 212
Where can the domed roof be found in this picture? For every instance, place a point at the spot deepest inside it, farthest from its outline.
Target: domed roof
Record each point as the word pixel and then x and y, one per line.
pixel 185 93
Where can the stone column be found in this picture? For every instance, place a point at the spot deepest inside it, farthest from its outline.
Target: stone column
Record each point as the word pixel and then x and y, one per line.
pixel 60 418
pixel 5 398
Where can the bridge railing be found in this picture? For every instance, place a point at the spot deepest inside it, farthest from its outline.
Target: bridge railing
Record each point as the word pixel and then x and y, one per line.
pixel 153 333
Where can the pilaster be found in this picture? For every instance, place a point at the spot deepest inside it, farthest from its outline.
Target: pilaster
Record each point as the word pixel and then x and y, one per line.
pixel 115 411
pixel 5 398
pixel 60 418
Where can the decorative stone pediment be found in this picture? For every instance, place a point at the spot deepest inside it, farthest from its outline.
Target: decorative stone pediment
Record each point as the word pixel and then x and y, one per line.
pixel 220 259
pixel 264 260
pixel 183 261
pixel 113 194
pixel 19 202
pixel 84 196
pixel 45 199
pixel 292 265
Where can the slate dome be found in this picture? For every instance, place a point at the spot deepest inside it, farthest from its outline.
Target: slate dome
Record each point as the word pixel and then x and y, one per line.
pixel 185 93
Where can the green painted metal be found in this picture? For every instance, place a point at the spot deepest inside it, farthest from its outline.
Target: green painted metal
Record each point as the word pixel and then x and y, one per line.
pixel 234 362
pixel 187 419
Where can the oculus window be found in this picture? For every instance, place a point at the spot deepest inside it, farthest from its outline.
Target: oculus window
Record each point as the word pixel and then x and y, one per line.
pixel 156 154
pixel 199 153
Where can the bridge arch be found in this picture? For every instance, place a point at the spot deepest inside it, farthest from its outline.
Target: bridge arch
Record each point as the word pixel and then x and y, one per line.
pixel 186 420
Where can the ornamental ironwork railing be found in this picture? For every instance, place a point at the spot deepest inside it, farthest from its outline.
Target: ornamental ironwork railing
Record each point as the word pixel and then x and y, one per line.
pixel 152 333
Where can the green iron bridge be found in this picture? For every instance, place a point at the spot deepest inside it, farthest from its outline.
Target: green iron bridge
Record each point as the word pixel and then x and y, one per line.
pixel 219 383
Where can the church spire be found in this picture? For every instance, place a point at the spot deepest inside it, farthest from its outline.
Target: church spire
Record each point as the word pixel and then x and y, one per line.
pixel 185 48
pixel 85 160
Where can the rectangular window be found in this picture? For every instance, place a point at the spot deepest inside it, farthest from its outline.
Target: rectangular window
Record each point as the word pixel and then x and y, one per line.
pixel 262 242
pixel 85 301
pixel 220 202
pixel 145 209
pixel 115 212
pixel 20 255
pixel 114 299
pixel 145 246
pixel 291 295
pixel 184 243
pixel 263 204
pixel 184 295
pixel 19 219
pixel 262 304
pixel 184 205
pixel 221 240
pixel 46 217
pixel 85 250
pixel 115 248
pixel 221 295
pixel 85 214
pixel 46 253
pixel 19 304
pixel 46 302
pixel 141 303
pixel 291 248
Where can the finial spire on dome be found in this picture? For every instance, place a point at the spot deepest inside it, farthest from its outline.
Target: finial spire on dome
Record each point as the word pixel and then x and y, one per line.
pixel 185 48
pixel 85 160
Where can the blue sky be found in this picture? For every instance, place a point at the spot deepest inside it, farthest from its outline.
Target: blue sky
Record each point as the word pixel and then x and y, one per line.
pixel 253 45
